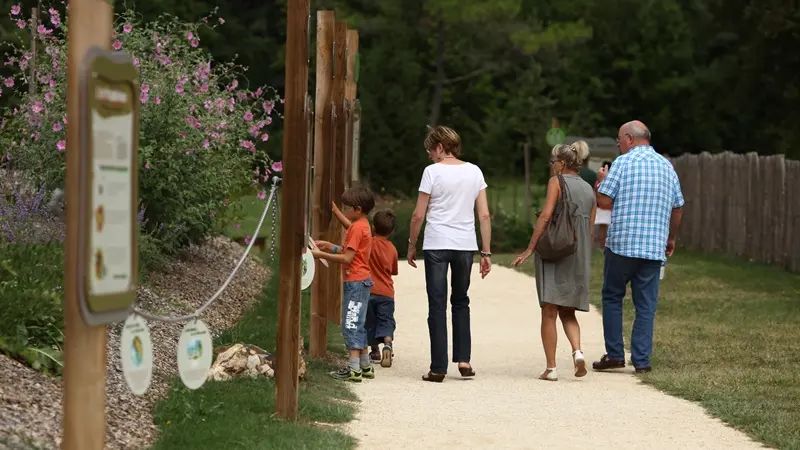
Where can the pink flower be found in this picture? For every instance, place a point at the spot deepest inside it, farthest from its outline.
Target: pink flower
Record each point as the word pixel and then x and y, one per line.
pixel 143 97
pixel 37 107
pixel 247 240
pixel 194 43
pixel 283 100
pixel 221 21
pixel 262 195
pixel 147 165
pixel 64 119
pixel 248 116
pixel 234 84
pixel 20 24
pixel 206 144
pixel 15 10
pixel 127 28
pixel 247 144
pixel 57 127
pixel 277 166
pixel 9 82
pixel 267 107
pixel 43 30
pixel 157 101
pixel 117 45
pixel 48 96
pixel 190 35
pixel 54 17
pixel 236 226
pixel 265 137
pixel 179 89
pixel 145 88
pixel 52 83
pixel 61 145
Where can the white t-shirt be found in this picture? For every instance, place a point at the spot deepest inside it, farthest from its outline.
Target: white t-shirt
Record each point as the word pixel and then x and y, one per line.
pixel 451 210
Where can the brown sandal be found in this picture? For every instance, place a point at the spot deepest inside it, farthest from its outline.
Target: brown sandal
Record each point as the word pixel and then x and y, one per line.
pixel 466 371
pixel 433 377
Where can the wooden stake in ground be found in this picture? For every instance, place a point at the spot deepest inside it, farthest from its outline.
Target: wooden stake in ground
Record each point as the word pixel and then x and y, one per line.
pixel 337 166
pixel 85 347
pixel 350 96
pixel 34 50
pixel 318 334
pixel 293 207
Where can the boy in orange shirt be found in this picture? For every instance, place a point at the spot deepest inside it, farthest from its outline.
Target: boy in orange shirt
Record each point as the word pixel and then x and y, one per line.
pixel 353 255
pixel 382 266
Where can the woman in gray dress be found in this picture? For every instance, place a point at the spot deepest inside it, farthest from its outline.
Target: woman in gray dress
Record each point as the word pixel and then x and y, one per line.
pixel 563 286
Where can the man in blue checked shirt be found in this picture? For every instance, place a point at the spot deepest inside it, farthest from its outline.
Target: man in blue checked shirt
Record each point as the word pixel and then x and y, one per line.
pixel 644 195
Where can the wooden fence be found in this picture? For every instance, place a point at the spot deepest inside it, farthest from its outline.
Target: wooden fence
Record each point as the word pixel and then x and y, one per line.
pixel 743 205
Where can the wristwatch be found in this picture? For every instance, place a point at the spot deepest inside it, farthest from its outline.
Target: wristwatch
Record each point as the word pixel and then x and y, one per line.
pixel 486 254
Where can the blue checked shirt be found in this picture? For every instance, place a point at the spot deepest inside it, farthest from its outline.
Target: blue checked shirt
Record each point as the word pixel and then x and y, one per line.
pixel 645 189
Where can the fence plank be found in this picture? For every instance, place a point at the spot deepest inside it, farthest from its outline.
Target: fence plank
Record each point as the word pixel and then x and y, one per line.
pixel 778 199
pixel 793 215
pixel 754 196
pixel 741 182
pixel 709 209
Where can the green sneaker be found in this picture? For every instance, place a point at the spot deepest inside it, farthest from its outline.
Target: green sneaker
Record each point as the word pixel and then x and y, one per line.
pixel 368 372
pixel 347 374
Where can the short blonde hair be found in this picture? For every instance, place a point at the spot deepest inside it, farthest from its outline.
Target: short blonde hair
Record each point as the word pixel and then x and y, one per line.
pixel 573 155
pixel 450 140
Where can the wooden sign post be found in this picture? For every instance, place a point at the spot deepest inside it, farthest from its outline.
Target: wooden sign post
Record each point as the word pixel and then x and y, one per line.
pixel 85 346
pixel 337 164
pixel 350 96
pixel 318 334
pixel 293 208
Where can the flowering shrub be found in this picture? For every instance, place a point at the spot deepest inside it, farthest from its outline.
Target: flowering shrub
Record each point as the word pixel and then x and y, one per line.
pixel 203 136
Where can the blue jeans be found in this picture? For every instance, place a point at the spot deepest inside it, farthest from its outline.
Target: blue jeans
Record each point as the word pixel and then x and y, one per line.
pixel 436 264
pixel 355 301
pixel 643 275
pixel 380 319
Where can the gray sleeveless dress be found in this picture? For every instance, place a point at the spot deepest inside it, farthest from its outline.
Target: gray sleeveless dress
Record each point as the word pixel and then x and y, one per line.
pixel 566 282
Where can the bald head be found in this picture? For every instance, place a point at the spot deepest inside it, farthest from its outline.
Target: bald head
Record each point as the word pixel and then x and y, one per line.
pixel 632 134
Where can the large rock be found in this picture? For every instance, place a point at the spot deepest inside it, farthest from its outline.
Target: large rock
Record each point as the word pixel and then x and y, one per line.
pixel 247 360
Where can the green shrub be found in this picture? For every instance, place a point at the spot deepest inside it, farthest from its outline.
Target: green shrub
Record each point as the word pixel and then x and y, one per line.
pixel 31 316
pixel 202 135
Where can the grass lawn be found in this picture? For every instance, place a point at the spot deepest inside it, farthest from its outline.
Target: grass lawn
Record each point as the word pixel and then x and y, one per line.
pixel 252 208
pixel 509 196
pixel 727 336
pixel 238 414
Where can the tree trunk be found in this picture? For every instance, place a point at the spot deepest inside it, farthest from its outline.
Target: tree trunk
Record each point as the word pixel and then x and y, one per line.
pixel 436 101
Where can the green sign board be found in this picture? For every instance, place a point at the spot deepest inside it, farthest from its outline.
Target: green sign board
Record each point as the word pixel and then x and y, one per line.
pixel 555 137
pixel 109 132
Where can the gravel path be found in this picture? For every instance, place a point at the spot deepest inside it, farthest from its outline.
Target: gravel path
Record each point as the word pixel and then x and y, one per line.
pixel 506 406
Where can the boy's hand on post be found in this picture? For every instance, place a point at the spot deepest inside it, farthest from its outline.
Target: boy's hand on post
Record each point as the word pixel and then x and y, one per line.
pixel 316 254
pixel 324 245
pixel 334 208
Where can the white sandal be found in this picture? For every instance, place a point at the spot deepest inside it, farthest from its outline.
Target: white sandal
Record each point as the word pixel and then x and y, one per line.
pixel 580 363
pixel 551 374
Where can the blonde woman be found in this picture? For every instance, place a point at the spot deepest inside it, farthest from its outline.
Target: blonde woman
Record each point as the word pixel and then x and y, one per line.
pixel 563 286
pixel 450 193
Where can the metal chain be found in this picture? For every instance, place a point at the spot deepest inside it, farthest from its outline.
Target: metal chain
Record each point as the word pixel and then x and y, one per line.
pixel 222 288
pixel 272 237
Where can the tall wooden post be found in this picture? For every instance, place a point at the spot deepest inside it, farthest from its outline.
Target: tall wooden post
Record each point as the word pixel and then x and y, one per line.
pixel 350 95
pixel 34 50
pixel 293 207
pixel 84 399
pixel 318 334
pixel 337 162
pixel 526 150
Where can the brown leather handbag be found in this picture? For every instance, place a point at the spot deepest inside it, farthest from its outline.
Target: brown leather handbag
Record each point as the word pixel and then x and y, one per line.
pixel 560 239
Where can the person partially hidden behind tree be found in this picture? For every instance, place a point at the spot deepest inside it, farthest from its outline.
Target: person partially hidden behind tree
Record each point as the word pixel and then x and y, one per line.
pixel 353 255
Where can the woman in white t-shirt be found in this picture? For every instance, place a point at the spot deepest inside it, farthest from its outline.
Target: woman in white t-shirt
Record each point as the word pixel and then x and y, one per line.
pixel 449 194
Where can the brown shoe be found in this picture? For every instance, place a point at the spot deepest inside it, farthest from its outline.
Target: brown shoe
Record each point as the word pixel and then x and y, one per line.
pixel 607 363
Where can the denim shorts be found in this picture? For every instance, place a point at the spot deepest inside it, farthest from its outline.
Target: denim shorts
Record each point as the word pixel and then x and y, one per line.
pixel 355 301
